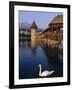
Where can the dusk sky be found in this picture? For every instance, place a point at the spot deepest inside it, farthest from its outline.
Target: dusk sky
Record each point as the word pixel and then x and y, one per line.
pixel 42 19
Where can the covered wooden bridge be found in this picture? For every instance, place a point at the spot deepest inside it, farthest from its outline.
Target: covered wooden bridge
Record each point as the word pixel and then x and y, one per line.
pixel 54 30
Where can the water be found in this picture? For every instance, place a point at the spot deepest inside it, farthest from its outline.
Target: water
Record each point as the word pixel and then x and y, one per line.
pixel 30 56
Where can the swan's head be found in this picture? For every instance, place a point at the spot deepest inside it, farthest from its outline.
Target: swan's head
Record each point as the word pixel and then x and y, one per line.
pixel 39 65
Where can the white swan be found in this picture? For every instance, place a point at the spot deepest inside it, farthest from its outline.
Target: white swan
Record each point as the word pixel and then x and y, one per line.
pixel 44 73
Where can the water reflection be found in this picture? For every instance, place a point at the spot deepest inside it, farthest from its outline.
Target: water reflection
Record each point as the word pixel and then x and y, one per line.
pixel 31 54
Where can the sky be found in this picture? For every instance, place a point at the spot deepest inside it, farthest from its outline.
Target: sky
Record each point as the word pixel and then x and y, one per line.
pixel 42 19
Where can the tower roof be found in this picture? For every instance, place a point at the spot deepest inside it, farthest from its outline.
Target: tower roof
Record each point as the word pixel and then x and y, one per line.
pixel 34 25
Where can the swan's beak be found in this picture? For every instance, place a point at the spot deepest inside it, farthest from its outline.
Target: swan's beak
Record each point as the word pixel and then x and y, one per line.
pixel 38 65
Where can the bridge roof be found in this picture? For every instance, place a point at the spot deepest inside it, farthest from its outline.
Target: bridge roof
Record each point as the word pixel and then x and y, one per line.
pixel 57 19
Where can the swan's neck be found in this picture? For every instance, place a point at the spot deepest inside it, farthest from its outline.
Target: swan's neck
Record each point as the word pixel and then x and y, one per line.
pixel 40 70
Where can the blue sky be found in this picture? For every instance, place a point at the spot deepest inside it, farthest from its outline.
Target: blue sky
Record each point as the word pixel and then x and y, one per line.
pixel 42 19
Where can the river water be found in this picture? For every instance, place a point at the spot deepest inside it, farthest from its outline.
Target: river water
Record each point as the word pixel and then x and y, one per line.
pixel 30 56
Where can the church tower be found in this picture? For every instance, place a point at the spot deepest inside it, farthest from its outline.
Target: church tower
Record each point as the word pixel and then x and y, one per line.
pixel 33 34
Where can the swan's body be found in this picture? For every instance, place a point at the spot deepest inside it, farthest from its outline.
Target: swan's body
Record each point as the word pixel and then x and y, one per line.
pixel 44 73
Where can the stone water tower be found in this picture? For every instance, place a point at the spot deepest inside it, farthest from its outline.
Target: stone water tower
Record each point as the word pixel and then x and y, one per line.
pixel 33 35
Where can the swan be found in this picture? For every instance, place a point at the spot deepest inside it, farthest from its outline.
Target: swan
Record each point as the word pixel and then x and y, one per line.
pixel 44 73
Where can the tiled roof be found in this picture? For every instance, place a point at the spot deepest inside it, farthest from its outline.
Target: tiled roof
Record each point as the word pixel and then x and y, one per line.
pixel 57 19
